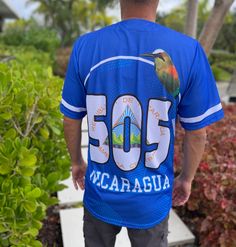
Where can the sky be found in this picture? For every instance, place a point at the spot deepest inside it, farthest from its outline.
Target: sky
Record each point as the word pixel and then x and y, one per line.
pixel 25 10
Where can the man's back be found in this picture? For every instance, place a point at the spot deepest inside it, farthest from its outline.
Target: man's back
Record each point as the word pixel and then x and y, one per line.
pixel 132 79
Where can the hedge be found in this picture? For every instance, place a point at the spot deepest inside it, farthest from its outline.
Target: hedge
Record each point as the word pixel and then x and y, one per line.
pixel 33 157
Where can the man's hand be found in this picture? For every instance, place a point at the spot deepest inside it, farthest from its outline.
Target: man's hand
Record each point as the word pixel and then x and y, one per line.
pixel 181 191
pixel 78 174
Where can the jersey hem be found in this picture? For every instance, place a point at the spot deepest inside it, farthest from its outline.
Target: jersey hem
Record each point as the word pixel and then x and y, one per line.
pixel 125 224
pixel 73 115
pixel 210 120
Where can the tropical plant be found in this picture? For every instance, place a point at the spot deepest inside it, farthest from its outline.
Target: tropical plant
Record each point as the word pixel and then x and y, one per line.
pixel 33 157
pixel 73 17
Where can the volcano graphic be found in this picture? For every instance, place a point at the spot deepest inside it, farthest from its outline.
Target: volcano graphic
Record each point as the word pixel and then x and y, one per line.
pixel 118 130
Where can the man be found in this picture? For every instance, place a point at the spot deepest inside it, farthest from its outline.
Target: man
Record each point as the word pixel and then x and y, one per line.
pixel 133 79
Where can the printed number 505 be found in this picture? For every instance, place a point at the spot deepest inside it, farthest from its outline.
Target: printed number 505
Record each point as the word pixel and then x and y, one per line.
pixel 126 126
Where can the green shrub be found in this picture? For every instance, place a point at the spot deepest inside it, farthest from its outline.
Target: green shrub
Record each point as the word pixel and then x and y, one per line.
pixel 32 150
pixel 223 64
pixel 228 66
pixel 25 56
pixel 29 33
pixel 220 74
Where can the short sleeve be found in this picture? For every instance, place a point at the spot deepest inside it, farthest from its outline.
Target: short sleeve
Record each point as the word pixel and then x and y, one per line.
pixel 73 102
pixel 200 103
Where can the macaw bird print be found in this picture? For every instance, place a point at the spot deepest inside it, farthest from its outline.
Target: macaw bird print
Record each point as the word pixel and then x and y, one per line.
pixel 166 71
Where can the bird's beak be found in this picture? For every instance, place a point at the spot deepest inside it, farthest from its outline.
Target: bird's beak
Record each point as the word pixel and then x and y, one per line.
pixel 147 55
pixel 153 55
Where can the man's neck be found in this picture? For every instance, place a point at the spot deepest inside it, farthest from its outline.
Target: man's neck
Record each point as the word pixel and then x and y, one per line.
pixel 146 11
pixel 147 18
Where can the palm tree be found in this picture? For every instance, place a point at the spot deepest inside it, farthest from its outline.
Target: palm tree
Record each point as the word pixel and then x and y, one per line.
pixel 70 18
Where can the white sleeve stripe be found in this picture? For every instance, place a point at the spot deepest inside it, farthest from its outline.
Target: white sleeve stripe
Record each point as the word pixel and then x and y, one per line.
pixel 209 112
pixel 71 107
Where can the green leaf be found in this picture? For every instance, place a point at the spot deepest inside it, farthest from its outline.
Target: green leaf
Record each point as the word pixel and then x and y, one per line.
pixel 35 193
pixel 52 201
pixel 11 133
pixel 26 142
pixel 38 179
pixel 5 168
pixel 27 158
pixel 35 243
pixel 56 130
pixel 2 200
pixel 44 132
pixel 32 231
pixel 6 116
pixel 24 181
pixel 53 177
pixel 9 212
pixel 27 171
pixel 14 240
pixel 60 187
pixel 37 224
pixel 30 206
pixel 17 143
pixel 6 185
pixel 38 120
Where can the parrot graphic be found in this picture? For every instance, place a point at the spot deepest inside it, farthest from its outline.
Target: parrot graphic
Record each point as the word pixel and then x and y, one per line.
pixel 166 71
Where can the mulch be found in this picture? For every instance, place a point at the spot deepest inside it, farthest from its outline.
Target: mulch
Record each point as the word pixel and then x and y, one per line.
pixel 50 234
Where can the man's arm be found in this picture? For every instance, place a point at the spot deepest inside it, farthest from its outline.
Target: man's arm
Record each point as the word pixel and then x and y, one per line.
pixel 72 132
pixel 194 145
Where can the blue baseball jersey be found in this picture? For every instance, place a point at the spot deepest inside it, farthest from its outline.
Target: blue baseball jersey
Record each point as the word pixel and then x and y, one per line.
pixel 133 80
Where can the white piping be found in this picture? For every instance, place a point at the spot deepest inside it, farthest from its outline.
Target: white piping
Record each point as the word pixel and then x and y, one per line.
pixel 117 58
pixel 72 108
pixel 179 97
pixel 209 112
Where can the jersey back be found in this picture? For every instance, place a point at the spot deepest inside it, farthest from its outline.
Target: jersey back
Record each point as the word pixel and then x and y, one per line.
pixel 133 80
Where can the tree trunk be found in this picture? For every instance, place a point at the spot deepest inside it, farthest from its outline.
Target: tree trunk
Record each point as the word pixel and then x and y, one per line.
pixel 191 19
pixel 214 24
pixel 1 24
